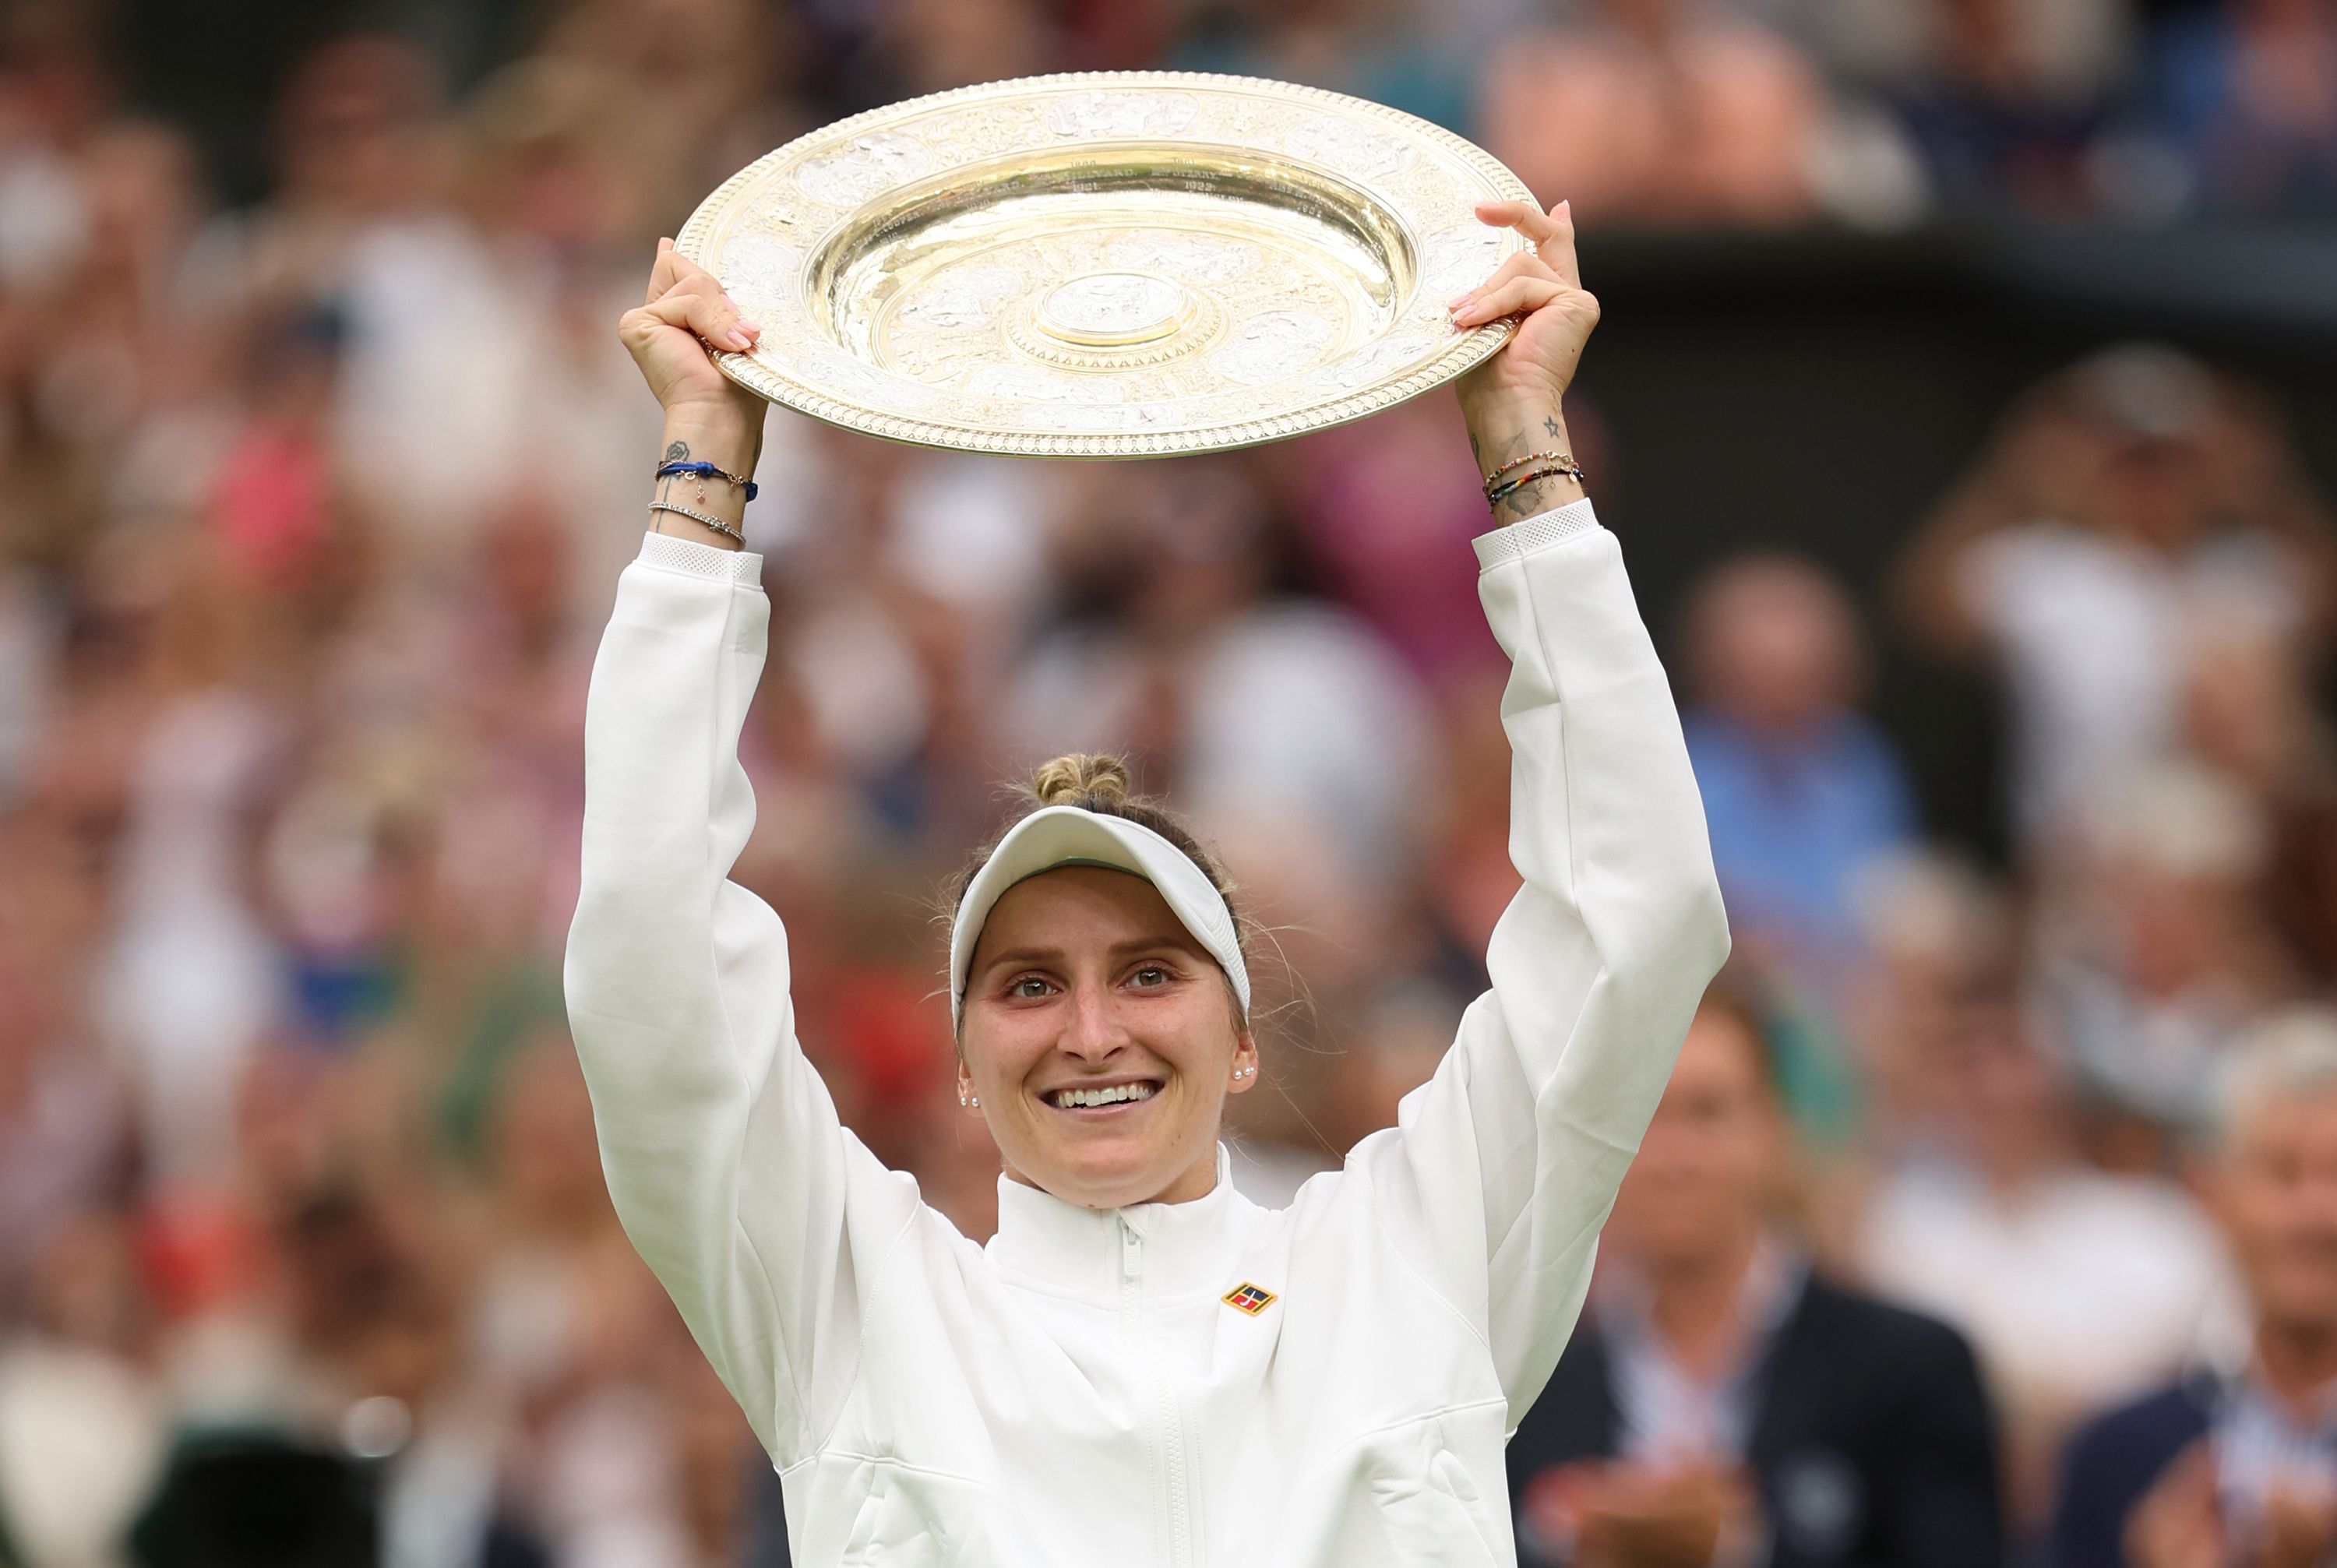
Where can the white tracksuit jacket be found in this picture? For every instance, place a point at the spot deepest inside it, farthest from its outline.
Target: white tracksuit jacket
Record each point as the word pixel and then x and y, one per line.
pixel 1078 1394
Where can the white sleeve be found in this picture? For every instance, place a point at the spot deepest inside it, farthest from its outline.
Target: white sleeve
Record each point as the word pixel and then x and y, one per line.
pixel 1503 1167
pixel 761 1215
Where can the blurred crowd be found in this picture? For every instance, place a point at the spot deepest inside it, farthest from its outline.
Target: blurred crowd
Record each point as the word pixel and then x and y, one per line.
pixel 311 509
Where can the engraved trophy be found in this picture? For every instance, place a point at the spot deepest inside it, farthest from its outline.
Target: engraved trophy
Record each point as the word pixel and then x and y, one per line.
pixel 1107 264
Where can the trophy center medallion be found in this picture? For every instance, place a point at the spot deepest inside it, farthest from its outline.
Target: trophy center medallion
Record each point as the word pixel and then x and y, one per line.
pixel 1113 309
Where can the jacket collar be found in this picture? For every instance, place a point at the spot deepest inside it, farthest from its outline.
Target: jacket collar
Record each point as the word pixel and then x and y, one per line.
pixel 1177 1246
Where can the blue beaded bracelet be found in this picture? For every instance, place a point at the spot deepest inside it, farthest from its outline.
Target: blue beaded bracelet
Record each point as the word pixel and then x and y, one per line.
pixel 703 472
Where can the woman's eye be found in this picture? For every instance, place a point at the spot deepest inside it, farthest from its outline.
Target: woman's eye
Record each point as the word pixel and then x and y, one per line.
pixel 1028 987
pixel 1151 975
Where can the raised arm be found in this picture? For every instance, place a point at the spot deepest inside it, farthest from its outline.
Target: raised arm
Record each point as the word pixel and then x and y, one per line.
pixel 722 1147
pixel 1504 1166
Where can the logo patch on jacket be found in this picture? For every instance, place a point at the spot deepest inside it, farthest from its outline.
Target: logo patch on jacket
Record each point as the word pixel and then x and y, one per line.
pixel 1247 1298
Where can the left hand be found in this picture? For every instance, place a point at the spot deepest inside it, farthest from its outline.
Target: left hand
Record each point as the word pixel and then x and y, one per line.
pixel 1628 1514
pixel 1544 284
pixel 2300 1527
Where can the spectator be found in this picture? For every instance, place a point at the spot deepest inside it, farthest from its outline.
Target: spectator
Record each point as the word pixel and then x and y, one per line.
pixel 2249 715
pixel 1802 792
pixel 2151 947
pixel 2122 502
pixel 1274 713
pixel 1721 1402
pixel 2007 101
pixel 2246 94
pixel 1999 1225
pixel 1374 49
pixel 2233 1461
pixel 1657 111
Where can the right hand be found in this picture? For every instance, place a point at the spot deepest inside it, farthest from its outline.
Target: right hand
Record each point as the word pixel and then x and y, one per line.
pixel 2177 1523
pixel 667 337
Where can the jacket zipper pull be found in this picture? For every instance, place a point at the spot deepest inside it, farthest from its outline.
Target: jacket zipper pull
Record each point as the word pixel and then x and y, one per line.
pixel 1131 1250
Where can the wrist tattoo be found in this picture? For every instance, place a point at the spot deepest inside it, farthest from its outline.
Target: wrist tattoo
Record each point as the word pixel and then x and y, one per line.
pixel 1524 500
pixel 1507 450
pixel 675 452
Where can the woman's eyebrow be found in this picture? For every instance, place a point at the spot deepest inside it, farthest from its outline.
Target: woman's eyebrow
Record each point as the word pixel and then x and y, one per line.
pixel 1022 955
pixel 1177 941
pixel 1180 940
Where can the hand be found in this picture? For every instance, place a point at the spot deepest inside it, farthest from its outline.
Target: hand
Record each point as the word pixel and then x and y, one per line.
pixel 2177 1523
pixel 2300 1527
pixel 668 336
pixel 1636 1515
pixel 1544 284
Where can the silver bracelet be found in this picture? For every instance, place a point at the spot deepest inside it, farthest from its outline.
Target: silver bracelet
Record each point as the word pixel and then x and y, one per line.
pixel 707 518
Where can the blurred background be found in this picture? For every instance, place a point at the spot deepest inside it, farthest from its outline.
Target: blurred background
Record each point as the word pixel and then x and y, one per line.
pixel 1963 404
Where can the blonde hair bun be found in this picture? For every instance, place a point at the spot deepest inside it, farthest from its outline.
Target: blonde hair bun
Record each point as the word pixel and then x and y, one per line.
pixel 1081 778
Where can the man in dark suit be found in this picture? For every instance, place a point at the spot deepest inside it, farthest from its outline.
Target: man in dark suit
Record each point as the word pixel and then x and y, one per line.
pixel 1721 1406
pixel 2238 1465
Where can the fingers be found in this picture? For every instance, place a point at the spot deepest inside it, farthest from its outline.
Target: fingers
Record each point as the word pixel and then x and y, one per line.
pixel 1524 261
pixel 1524 264
pixel 1521 293
pixel 1522 216
pixel 662 273
pixel 675 271
pixel 712 318
pixel 1552 232
pixel 1559 249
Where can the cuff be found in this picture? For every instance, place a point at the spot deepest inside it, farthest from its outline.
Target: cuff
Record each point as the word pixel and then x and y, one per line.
pixel 668 553
pixel 1528 535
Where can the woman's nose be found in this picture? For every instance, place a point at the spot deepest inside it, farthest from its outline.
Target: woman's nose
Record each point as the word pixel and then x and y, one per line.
pixel 1093 1029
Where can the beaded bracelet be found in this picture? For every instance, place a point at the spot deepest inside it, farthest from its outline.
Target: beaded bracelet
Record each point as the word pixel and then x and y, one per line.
pixel 1566 465
pixel 1494 497
pixel 702 472
pixel 707 518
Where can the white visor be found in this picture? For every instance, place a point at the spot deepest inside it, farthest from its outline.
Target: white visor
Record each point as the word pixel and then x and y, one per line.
pixel 1073 835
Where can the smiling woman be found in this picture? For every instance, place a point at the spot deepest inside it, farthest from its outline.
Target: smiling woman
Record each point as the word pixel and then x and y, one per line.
pixel 1101 994
pixel 1141 1366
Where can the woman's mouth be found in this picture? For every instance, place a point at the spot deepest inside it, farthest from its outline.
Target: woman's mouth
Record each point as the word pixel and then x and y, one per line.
pixel 1101 1097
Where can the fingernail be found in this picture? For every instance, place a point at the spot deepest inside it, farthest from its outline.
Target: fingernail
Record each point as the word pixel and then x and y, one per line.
pixel 747 326
pixel 664 243
pixel 735 338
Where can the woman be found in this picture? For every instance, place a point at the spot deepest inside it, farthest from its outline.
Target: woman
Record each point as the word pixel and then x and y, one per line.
pixel 1141 1367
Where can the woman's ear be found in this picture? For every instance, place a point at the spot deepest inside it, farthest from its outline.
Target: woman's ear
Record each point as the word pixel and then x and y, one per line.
pixel 1245 1067
pixel 968 1101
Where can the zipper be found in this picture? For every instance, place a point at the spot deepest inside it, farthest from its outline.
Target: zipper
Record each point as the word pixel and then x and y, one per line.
pixel 1164 1395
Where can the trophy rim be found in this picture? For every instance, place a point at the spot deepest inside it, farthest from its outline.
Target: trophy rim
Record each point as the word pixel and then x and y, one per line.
pixel 1467 350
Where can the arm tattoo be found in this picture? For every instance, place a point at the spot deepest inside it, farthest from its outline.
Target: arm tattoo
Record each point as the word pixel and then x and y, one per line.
pixel 1547 423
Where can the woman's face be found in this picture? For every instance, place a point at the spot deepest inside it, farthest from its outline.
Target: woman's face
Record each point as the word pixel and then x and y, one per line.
pixel 1084 981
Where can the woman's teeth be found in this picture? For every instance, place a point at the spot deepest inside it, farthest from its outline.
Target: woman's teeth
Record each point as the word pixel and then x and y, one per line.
pixel 1071 1099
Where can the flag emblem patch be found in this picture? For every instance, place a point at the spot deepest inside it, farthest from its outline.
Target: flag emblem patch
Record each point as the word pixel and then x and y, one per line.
pixel 1247 1298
